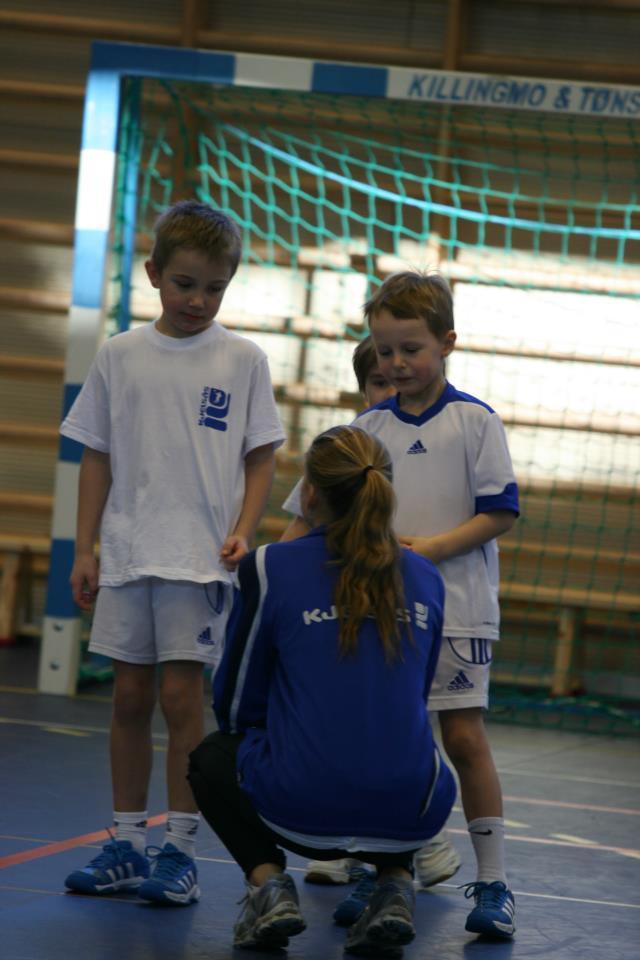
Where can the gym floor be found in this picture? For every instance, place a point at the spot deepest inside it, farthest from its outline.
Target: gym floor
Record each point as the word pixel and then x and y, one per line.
pixel 571 808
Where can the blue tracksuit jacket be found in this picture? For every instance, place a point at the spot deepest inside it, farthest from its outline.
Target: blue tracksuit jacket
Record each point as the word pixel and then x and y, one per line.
pixel 333 747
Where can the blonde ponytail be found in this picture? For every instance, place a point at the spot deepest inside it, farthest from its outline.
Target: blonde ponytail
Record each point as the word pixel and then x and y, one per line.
pixel 352 471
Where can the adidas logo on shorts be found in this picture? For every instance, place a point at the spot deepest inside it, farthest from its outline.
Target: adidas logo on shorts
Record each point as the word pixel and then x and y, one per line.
pixel 460 682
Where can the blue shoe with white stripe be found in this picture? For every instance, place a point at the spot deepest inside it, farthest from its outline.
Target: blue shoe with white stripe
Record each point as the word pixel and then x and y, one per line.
pixel 118 867
pixel 352 907
pixel 494 912
pixel 174 877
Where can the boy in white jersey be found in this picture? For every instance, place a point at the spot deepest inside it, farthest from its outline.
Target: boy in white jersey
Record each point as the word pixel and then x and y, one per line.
pixel 456 493
pixel 438 860
pixel 180 429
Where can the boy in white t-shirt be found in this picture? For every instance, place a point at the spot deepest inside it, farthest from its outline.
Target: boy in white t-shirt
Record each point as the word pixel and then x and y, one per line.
pixel 180 428
pixel 456 493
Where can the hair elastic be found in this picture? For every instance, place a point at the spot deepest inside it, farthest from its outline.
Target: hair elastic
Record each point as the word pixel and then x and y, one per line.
pixel 365 471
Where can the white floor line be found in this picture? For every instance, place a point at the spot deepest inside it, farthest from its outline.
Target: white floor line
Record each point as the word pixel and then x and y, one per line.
pixel 601 781
pixel 134 901
pixel 83 728
pixel 453 886
pixel 448 886
pixel 553 896
pixel 573 844
pixel 506 771
pixel 596 808
pixel 543 775
pixel 66 893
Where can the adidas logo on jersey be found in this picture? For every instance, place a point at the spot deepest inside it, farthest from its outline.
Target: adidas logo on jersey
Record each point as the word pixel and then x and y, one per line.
pixel 205 637
pixel 417 447
pixel 460 682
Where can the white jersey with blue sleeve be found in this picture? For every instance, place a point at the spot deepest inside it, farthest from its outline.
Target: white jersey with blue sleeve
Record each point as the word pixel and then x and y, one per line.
pixel 449 464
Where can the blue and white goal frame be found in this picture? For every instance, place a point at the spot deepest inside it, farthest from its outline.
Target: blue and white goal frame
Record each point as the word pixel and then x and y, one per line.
pixel 111 64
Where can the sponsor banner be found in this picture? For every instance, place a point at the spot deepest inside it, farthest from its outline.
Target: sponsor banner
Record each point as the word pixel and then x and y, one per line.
pixel 514 93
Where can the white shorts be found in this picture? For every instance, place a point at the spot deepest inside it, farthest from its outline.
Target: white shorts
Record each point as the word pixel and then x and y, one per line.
pixel 153 620
pixel 462 674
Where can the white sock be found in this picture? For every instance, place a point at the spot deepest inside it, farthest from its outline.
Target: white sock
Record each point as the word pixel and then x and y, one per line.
pixel 487 837
pixel 181 831
pixel 132 826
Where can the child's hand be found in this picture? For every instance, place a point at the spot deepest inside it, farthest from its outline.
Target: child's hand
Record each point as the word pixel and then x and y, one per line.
pixel 84 580
pixel 233 550
pixel 428 547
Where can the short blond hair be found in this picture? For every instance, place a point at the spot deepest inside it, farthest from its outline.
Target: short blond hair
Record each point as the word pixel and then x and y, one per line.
pixel 412 294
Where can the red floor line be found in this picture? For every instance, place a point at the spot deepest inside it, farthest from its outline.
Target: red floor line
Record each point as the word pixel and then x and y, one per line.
pixel 50 848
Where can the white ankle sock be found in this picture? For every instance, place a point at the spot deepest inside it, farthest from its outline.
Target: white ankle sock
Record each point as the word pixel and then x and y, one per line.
pixel 181 831
pixel 487 837
pixel 131 826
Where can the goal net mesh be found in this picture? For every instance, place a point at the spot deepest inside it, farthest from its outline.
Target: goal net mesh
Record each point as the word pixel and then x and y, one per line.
pixel 534 218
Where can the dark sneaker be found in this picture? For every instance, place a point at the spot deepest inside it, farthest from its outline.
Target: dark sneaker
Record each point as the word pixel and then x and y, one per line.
pixel 352 907
pixel 387 923
pixel 174 877
pixel 270 915
pixel 118 867
pixel 494 912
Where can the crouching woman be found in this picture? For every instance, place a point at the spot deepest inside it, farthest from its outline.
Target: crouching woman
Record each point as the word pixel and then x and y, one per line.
pixel 324 745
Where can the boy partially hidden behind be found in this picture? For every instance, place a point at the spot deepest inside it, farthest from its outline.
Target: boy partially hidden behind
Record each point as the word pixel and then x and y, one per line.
pixel 456 494
pixel 180 429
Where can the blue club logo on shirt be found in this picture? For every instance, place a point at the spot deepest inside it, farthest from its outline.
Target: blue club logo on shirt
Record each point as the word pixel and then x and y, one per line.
pixel 214 408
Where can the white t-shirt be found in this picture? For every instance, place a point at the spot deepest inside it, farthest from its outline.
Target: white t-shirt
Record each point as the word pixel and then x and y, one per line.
pixel 177 417
pixel 449 464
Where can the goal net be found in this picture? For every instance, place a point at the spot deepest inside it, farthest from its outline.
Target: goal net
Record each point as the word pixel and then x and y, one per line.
pixel 534 219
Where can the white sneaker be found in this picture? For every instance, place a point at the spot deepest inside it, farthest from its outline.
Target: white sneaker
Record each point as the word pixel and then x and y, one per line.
pixel 329 871
pixel 436 861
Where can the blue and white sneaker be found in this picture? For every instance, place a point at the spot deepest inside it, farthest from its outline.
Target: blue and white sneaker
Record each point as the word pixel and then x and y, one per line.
pixel 118 867
pixel 174 877
pixel 494 912
pixel 352 907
